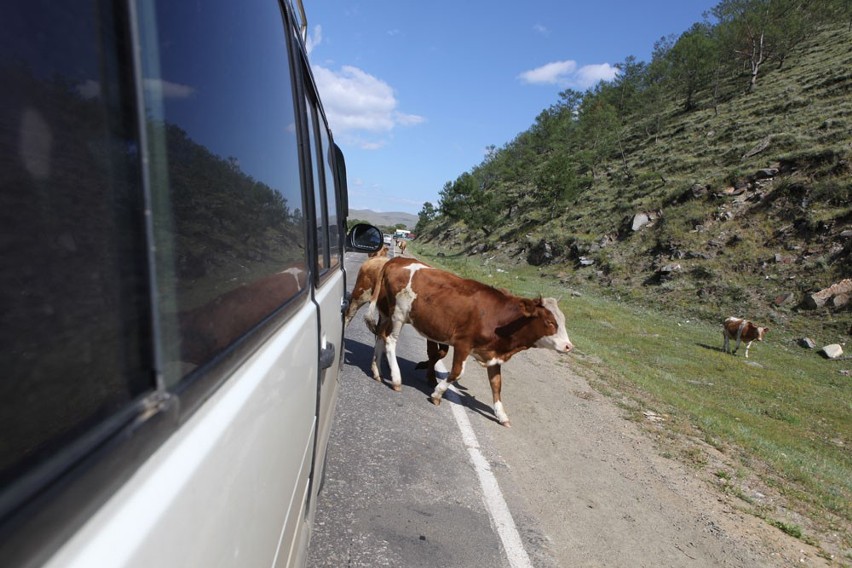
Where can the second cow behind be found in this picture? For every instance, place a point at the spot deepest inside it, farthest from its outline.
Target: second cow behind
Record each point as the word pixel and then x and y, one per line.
pixel 476 319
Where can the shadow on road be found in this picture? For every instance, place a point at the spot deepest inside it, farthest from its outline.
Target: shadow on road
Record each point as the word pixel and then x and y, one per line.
pixel 360 355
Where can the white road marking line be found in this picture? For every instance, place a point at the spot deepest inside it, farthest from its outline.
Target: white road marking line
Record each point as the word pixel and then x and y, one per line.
pixel 494 501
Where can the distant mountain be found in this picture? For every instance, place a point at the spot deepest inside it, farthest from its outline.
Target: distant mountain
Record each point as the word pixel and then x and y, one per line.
pixel 388 219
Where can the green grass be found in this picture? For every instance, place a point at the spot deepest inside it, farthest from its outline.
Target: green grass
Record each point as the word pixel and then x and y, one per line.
pixel 785 411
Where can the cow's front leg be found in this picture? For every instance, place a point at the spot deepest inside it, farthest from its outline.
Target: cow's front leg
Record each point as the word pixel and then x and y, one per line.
pixel 496 381
pixel 459 358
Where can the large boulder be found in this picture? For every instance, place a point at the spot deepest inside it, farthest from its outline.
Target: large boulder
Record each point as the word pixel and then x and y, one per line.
pixel 843 289
pixel 833 351
pixel 639 221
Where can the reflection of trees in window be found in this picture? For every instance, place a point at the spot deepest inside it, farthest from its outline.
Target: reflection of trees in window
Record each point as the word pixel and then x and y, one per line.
pixel 237 249
pixel 230 228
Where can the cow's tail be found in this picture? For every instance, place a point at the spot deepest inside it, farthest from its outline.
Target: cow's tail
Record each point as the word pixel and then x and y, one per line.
pixel 372 317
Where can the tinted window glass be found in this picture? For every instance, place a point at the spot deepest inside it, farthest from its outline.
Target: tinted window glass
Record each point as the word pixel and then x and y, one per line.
pixel 229 219
pixel 74 318
pixel 319 194
pixel 331 197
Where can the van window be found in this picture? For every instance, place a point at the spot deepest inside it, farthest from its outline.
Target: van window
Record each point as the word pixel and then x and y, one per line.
pixel 319 193
pixel 74 297
pixel 331 197
pixel 228 210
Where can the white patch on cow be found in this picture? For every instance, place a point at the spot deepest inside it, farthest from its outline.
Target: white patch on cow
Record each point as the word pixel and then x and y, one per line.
pixel 492 362
pixel 500 413
pixel 559 341
pixel 405 297
pixel 390 345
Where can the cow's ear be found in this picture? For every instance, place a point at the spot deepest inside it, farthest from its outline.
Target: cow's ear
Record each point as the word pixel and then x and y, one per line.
pixel 528 307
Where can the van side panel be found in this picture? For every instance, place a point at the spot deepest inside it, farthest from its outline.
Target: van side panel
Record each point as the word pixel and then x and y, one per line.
pixel 188 505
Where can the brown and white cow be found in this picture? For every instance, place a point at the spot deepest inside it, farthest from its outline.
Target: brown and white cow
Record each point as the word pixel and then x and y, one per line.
pixel 401 244
pixel 368 276
pixel 741 330
pixel 476 319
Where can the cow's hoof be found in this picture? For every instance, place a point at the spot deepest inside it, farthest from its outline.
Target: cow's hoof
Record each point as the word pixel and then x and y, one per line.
pixel 507 424
pixel 397 388
pixel 435 401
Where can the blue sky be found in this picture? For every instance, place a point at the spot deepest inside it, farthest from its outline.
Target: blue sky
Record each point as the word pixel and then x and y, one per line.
pixel 416 91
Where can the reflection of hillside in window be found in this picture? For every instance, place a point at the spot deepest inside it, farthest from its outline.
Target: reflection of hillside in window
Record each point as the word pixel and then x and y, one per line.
pixel 226 184
pixel 237 247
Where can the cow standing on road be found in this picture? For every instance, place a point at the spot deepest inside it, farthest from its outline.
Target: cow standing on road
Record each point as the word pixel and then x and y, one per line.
pixel 476 319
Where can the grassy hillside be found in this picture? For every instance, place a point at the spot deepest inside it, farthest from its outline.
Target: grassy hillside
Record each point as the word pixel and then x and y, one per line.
pixel 750 199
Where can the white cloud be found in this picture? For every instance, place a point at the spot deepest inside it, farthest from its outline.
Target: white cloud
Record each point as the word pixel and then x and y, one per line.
pixel 550 73
pixel 567 74
pixel 590 75
pixel 313 39
pixel 361 108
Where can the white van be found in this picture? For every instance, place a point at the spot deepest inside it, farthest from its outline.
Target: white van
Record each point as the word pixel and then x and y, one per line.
pixel 172 208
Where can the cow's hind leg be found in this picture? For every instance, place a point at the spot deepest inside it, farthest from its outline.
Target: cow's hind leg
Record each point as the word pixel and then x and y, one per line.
pixel 496 380
pixel 378 353
pixel 459 358
pixel 390 353
pixel 436 352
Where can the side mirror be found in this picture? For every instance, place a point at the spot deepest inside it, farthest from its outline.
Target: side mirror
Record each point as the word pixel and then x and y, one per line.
pixel 364 238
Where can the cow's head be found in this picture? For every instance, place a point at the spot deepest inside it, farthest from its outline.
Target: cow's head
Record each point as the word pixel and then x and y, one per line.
pixel 761 332
pixel 556 336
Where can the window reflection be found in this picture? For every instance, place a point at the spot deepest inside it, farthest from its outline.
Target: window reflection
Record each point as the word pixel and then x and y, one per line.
pixel 319 194
pixel 331 198
pixel 74 332
pixel 230 221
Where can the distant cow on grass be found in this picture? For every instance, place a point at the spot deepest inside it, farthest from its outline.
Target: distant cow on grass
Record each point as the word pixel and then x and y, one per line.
pixel 368 276
pixel 741 330
pixel 474 318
